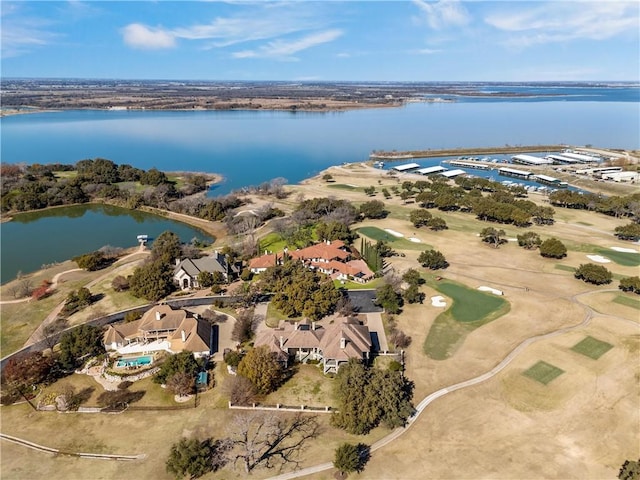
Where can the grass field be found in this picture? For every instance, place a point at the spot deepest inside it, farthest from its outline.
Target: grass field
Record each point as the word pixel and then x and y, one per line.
pixel 543 372
pixel 566 268
pixel 469 305
pixel 627 301
pixel 592 347
pixel 626 259
pixel 376 234
pixel 471 309
pixel 343 186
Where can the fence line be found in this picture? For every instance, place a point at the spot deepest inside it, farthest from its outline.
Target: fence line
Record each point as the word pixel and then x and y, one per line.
pixel 283 408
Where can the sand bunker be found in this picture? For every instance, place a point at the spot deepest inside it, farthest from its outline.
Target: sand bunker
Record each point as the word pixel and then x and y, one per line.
pixel 393 232
pixel 489 289
pixel 598 258
pixel 626 250
pixel 438 301
pixel 414 240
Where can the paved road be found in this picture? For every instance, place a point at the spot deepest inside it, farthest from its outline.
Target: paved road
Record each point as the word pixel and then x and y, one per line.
pixel 458 386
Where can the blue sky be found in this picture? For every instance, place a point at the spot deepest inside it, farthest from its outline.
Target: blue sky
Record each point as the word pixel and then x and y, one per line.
pixel 416 40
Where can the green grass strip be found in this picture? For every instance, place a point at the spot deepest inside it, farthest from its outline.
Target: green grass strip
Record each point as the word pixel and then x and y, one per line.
pixel 592 347
pixel 627 301
pixel 627 259
pixel 543 372
pixel 566 268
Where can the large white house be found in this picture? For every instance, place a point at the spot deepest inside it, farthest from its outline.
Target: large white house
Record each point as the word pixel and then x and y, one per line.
pixel 161 328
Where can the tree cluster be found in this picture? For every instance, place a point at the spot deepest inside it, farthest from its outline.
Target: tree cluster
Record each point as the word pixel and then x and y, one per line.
pixel 553 248
pixel 92 261
pixel 615 206
pixel 299 291
pixel 351 458
pixel 433 259
pixel 77 300
pixel 368 397
pixel 182 363
pixel 630 284
pixel 389 299
pixel 79 344
pixel 592 273
pixel 262 369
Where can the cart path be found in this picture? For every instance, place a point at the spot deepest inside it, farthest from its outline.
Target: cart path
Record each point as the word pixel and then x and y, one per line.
pixel 55 451
pixel 589 314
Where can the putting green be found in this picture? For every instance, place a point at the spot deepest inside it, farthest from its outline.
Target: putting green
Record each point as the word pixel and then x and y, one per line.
pixel 543 372
pixel 377 234
pixel 592 347
pixel 471 309
pixel 627 259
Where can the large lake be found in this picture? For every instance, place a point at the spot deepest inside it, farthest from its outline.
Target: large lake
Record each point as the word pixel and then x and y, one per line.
pixel 33 239
pixel 250 147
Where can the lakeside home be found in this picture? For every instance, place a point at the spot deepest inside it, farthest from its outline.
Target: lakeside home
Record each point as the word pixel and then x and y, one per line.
pixel 161 328
pixel 330 257
pixel 332 346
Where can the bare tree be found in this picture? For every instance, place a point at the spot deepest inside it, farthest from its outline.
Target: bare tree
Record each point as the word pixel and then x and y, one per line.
pixel 181 384
pixel 344 306
pixel 239 389
pixel 50 331
pixel 212 316
pixel 270 441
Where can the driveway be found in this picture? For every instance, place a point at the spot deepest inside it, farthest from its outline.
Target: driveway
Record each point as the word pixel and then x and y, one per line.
pixel 376 330
pixel 362 301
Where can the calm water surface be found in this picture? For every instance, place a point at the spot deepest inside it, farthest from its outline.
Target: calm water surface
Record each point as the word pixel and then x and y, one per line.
pixel 251 147
pixel 33 239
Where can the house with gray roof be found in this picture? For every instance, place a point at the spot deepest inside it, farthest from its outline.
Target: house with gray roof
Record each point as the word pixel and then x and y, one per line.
pixel 186 271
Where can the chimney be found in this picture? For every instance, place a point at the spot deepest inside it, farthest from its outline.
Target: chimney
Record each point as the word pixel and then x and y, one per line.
pixel 343 343
pixel 177 262
pixel 158 315
pixel 296 326
pixel 281 342
pixel 313 325
pixel 183 335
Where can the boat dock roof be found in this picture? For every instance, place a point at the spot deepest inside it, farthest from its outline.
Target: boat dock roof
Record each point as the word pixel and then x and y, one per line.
pixel 562 159
pixel 453 173
pixel 513 171
pixel 530 160
pixel 406 167
pixel 430 170
pixel 547 178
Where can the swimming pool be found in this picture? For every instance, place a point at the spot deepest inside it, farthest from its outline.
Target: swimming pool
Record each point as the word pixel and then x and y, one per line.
pixel 134 361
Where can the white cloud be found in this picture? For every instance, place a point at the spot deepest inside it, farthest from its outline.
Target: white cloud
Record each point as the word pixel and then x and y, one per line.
pixel 140 36
pixel 566 21
pixel 285 49
pixel 21 34
pixel 425 51
pixel 443 13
